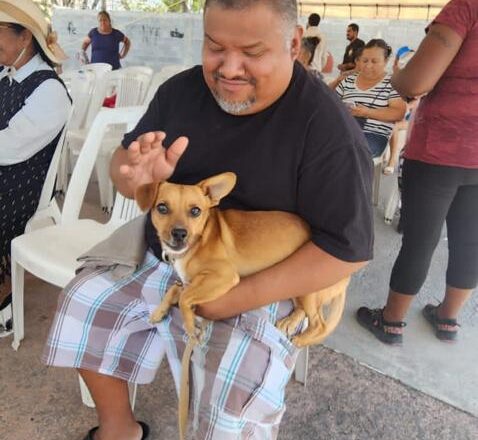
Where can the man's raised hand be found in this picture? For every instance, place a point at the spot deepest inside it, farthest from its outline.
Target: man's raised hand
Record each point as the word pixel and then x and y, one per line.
pixel 149 161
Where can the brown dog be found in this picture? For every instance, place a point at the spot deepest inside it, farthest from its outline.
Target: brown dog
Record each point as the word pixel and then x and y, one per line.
pixel 212 249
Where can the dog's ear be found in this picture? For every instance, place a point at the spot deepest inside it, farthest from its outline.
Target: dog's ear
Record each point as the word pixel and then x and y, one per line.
pixel 145 195
pixel 218 186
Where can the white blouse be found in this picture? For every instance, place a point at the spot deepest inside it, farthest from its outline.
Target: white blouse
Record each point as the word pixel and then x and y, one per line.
pixel 39 121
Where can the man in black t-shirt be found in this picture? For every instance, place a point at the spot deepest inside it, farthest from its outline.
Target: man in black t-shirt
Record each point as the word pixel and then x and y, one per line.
pixel 353 49
pixel 251 109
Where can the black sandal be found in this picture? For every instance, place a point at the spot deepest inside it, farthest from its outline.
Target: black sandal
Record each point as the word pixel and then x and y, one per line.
pixel 385 331
pixel 445 329
pixel 143 425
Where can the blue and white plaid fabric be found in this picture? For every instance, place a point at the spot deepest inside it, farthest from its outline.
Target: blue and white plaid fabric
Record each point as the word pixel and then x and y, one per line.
pixel 239 371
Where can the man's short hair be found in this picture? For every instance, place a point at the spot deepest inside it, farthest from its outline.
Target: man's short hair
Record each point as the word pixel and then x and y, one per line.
pixel 354 27
pixel 314 19
pixel 287 9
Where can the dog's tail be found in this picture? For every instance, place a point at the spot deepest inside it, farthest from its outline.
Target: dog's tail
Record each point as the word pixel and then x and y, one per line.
pixel 335 305
pixel 324 310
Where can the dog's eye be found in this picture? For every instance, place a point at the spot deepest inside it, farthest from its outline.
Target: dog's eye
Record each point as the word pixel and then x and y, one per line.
pixel 195 212
pixel 162 208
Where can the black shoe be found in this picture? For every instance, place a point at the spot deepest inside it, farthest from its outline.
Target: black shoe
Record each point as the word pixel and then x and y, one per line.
pixel 144 426
pixel 388 332
pixel 445 329
pixel 6 326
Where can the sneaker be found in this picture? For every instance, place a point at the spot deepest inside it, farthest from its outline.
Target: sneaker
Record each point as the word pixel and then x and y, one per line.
pixel 387 332
pixel 445 329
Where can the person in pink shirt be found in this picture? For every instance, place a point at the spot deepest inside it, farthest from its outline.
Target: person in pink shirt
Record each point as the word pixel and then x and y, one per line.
pixel 440 175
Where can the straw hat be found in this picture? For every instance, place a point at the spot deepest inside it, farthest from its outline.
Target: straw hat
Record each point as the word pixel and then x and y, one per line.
pixel 29 15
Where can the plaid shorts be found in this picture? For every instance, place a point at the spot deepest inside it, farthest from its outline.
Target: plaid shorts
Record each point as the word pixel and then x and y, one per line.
pixel 239 370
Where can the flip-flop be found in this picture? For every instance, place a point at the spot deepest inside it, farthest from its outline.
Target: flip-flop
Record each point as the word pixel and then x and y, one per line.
pixel 143 425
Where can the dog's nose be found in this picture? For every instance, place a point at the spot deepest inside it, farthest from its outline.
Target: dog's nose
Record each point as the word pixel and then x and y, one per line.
pixel 179 234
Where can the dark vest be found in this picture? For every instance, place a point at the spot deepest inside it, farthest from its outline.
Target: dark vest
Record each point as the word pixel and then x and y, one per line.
pixel 13 97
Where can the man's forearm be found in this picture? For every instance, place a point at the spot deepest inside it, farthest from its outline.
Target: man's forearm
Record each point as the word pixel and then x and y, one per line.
pixel 306 271
pixel 122 184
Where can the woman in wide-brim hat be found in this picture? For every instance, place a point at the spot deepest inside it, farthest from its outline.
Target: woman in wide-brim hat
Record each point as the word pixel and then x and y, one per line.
pixel 34 106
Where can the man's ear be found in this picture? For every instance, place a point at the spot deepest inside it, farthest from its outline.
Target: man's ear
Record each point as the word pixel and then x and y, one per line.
pixel 218 186
pixel 145 195
pixel 296 41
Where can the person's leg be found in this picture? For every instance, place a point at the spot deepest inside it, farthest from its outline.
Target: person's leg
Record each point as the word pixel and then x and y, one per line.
pixel 428 192
pixel 396 143
pixel 462 271
pixel 239 372
pixel 102 329
pixel 376 143
pixel 115 416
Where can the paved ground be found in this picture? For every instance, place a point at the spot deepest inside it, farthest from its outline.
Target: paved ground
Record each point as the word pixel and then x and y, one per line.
pixel 343 400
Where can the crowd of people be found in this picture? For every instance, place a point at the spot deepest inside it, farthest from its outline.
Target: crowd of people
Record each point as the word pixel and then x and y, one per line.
pixel 296 144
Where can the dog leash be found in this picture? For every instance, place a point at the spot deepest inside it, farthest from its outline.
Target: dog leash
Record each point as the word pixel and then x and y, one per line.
pixel 183 404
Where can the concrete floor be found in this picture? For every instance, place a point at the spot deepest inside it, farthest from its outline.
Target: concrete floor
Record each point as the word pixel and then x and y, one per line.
pixel 344 399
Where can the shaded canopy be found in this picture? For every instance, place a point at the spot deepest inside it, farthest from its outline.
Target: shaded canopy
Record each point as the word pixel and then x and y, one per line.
pixel 388 9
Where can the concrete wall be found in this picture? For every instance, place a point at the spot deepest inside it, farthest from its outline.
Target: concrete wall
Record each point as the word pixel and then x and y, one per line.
pixel 158 40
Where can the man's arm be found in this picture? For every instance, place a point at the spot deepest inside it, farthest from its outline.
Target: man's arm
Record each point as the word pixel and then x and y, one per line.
pixel 145 161
pixel 306 271
pixel 434 55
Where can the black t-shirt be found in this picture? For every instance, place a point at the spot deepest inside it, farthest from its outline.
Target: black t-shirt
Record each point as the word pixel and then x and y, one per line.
pixel 351 51
pixel 303 154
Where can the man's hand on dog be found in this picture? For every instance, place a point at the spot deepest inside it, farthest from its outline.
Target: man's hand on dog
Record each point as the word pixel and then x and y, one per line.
pixel 149 161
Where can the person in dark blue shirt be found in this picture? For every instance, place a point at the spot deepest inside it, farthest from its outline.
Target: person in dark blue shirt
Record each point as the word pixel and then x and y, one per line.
pixel 105 42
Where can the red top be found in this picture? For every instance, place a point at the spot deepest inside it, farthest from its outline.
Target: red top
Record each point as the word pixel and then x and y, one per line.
pixel 445 128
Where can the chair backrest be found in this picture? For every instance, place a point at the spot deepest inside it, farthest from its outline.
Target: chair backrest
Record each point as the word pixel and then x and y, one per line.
pixel 124 210
pixel 81 84
pixel 100 70
pixel 87 158
pixel 129 84
pixel 159 77
pixel 49 184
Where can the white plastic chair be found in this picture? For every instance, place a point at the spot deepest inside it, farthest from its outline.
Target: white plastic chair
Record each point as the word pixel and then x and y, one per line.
pixel 72 236
pixel 80 84
pixel 159 77
pixel 130 85
pixel 76 134
pixel 47 211
pixel 394 197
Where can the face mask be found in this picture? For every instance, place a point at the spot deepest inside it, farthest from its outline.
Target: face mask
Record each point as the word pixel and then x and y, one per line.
pixel 10 71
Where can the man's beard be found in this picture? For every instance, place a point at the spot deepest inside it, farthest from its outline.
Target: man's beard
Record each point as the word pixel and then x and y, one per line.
pixel 234 107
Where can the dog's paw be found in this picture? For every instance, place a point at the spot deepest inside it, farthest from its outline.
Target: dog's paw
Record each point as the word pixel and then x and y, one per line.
pixel 311 336
pixel 290 324
pixel 158 314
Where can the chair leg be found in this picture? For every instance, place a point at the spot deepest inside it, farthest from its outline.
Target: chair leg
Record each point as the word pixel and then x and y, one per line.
pixel 104 185
pixel 301 366
pixel 392 204
pixel 18 275
pixel 377 174
pixel 85 394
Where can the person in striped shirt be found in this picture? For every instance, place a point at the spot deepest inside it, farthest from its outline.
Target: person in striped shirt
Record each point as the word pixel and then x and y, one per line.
pixel 370 97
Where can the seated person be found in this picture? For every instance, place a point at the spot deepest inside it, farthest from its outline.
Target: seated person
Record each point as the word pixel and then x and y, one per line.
pixel 34 106
pixel 370 97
